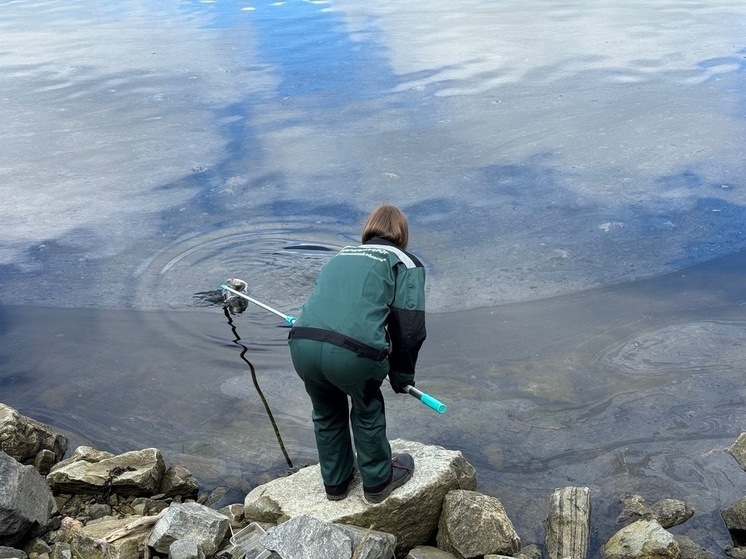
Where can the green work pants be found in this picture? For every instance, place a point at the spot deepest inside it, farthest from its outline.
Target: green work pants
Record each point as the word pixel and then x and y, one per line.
pixel 331 374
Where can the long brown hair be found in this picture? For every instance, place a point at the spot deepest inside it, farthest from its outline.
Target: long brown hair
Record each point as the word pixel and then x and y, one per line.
pixel 387 222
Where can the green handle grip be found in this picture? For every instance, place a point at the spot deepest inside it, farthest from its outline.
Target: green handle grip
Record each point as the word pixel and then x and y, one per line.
pixel 426 399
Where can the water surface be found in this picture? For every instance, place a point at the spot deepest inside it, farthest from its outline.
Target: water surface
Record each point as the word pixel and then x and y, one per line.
pixel 573 175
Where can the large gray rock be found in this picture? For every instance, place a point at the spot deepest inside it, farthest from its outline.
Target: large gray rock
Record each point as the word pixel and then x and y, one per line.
pixel 568 523
pixel 735 520
pixel 306 537
pixel 634 508
pixel 473 525
pixel 192 521
pixel 411 513
pixel 133 473
pixel 24 438
pixel 26 502
pixel 644 539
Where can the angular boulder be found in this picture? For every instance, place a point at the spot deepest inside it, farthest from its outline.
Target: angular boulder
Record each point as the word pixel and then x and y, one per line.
pixel 643 539
pixel 189 521
pixel 26 502
pixel 24 438
pixel 473 525
pixel 306 537
pixel 410 513
pixel 178 481
pixel 136 473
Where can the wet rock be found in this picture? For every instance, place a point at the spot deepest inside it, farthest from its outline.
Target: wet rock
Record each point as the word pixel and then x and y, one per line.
pixel 643 539
pixel 133 473
pixel 213 497
pixel 24 438
pixel 411 513
pixel 429 552
pixel 667 512
pixel 26 502
pixel 177 480
pixel 735 520
pixel 692 550
pixel 671 512
pixel 472 525
pixel 635 508
pixel 189 520
pixel 738 450
pixel 568 523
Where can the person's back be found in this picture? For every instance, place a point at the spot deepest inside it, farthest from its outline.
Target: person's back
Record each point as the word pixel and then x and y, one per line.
pixel 356 290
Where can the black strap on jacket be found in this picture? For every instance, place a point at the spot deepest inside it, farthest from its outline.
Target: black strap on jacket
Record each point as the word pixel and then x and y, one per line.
pixel 339 340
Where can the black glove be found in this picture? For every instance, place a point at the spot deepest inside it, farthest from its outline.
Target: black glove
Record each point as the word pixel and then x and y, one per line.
pixel 399 384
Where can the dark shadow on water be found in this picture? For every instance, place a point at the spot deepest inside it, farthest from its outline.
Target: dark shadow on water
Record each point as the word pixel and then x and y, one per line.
pixel 252 371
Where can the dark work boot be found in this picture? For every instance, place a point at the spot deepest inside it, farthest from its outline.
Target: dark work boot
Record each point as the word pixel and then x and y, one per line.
pixel 402 468
pixel 338 492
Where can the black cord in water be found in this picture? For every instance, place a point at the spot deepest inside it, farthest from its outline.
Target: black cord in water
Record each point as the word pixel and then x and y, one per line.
pixel 237 341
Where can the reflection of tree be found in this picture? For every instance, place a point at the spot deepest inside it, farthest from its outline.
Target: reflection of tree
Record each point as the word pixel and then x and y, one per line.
pixel 244 349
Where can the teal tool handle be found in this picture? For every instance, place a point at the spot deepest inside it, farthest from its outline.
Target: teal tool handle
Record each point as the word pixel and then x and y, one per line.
pixel 426 399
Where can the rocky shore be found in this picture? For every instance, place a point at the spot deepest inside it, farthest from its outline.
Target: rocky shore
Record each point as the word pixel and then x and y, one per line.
pixel 96 505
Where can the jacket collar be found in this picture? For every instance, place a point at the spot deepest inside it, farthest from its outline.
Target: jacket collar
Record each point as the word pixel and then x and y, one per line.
pixel 379 241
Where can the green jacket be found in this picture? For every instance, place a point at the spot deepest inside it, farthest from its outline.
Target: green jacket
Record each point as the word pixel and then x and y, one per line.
pixel 372 294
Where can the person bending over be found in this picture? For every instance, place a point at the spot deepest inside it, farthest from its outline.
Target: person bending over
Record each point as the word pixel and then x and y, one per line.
pixel 364 320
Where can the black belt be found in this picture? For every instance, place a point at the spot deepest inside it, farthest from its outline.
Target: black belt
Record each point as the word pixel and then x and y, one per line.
pixel 339 340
